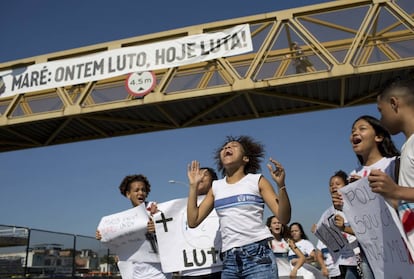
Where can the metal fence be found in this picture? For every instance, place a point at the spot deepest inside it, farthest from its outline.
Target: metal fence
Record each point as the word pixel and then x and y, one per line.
pixel 33 253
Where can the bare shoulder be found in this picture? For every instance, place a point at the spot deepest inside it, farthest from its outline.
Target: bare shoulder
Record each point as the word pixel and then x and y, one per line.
pixel 266 187
pixel 264 182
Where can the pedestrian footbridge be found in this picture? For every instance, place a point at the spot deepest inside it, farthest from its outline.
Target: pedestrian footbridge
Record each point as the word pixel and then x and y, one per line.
pixel 324 56
pixel 14 237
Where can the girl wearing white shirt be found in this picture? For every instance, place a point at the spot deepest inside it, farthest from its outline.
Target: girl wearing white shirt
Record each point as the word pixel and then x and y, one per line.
pixel 298 235
pixel 280 247
pixel 375 150
pixel 239 200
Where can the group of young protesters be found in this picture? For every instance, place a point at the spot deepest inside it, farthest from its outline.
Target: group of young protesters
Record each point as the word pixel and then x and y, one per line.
pixel 254 248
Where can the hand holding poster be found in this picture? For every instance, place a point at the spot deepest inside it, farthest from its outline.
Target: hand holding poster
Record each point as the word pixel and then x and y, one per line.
pixel 372 222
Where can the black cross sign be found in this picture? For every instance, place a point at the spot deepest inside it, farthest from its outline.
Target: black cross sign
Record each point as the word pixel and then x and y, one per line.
pixel 164 221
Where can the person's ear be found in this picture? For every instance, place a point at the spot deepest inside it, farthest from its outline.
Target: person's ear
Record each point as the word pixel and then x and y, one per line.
pixel 394 103
pixel 379 138
pixel 246 159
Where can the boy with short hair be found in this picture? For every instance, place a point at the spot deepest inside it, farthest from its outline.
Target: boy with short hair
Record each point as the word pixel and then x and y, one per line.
pixel 396 104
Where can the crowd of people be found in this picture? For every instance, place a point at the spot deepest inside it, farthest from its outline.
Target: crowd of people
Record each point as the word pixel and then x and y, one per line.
pixel 275 247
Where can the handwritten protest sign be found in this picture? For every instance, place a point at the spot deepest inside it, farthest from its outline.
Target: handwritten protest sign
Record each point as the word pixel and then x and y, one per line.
pixel 124 233
pixel 338 243
pixel 372 222
pixel 117 62
pixel 183 248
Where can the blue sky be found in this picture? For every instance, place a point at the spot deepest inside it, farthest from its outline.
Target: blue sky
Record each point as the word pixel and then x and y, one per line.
pixel 68 188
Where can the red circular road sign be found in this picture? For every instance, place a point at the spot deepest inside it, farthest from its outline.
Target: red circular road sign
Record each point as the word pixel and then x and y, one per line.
pixel 141 83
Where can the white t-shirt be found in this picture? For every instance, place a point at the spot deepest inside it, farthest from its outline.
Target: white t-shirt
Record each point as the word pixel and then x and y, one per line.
pixel 280 246
pixel 280 249
pixel 141 270
pixel 307 271
pixel 201 271
pixel 333 267
pixel 240 207
pixel 305 246
pixel 406 178
pixel 387 165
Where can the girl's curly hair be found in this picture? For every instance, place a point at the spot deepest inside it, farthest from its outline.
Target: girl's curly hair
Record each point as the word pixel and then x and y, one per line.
pixel 252 149
pixel 126 183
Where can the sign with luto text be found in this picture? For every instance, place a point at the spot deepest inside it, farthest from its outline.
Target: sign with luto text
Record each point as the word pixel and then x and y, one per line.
pixel 106 64
pixel 183 248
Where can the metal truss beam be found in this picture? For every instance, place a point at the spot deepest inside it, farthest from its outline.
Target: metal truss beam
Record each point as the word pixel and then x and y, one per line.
pixel 348 61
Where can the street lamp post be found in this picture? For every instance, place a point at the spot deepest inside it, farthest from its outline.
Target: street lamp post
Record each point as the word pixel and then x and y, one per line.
pixel 172 181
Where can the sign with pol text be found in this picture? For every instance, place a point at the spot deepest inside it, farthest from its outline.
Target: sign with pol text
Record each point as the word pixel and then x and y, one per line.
pixel 371 219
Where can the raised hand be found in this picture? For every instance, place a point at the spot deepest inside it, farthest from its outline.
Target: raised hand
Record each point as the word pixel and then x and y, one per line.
pixel 195 175
pixel 277 172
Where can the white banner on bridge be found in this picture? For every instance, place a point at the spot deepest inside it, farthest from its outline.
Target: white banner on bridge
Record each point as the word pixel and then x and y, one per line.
pixel 111 63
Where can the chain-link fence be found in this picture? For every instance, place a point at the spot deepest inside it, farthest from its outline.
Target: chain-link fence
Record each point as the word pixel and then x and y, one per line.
pixel 33 253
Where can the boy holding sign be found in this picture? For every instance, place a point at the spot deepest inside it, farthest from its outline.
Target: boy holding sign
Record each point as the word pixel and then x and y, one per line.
pixel 144 262
pixel 396 105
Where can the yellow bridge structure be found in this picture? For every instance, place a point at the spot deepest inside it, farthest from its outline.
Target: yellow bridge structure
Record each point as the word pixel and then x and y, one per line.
pixel 324 56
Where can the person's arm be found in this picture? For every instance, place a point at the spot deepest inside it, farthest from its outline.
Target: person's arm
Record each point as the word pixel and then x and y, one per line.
pixel 279 204
pixel 312 257
pixel 300 258
pixel 150 226
pixel 196 214
pixel 321 262
pixel 150 235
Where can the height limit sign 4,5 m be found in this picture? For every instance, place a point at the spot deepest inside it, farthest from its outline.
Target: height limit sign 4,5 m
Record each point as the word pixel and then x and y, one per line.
pixel 141 83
